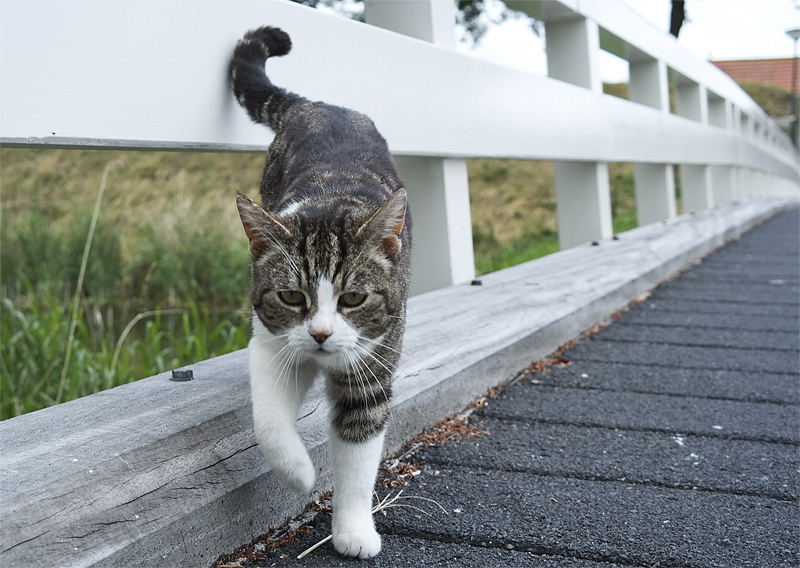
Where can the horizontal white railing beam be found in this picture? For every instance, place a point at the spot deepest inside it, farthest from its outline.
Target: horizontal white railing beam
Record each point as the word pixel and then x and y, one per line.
pixel 152 74
pixel 627 34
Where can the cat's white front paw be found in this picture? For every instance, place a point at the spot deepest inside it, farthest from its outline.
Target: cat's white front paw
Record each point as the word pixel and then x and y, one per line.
pixel 298 475
pixel 362 543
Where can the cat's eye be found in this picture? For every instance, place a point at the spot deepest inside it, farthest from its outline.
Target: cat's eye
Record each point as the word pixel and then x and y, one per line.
pixel 292 297
pixel 352 299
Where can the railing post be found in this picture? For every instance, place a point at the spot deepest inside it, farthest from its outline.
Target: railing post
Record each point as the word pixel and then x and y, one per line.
pixel 751 183
pixel 583 203
pixel 655 183
pixel 655 192
pixel 696 187
pixel 573 48
pixel 697 181
pixel 691 101
pixel 649 84
pixel 719 111
pixel 722 184
pixel 439 193
pixel 438 188
pixel 429 20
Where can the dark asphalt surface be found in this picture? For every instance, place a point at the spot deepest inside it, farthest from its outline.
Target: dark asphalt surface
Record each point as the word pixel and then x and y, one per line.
pixel 670 440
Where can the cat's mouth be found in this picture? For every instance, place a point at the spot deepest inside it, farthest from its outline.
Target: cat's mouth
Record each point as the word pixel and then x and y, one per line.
pixel 322 351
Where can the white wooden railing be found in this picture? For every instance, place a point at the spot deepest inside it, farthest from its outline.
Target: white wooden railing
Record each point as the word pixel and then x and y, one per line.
pixel 152 75
pixel 160 473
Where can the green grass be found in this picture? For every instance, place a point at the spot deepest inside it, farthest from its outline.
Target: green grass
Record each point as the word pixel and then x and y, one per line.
pixel 166 277
pixel 167 273
pixel 33 344
pixel 490 255
pixel 35 337
pixel 623 196
pixel 45 255
pixel 199 262
pixel 775 100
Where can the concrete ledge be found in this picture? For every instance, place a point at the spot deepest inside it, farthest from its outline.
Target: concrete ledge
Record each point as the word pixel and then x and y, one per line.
pixel 161 473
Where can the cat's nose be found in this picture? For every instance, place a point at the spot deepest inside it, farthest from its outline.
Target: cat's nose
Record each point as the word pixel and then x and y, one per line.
pixel 320 336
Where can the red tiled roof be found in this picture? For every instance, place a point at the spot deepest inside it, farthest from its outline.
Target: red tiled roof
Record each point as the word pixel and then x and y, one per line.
pixel 774 71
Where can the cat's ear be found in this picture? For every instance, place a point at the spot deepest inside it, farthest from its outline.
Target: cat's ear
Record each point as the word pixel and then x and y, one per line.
pixel 387 222
pixel 260 226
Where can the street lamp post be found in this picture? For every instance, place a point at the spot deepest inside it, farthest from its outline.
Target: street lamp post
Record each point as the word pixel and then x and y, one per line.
pixel 795 35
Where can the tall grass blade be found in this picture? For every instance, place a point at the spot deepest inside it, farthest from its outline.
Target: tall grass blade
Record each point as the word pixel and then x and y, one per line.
pixel 124 335
pixel 79 288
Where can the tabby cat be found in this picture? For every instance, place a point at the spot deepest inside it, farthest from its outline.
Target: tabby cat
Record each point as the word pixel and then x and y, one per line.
pixel 330 251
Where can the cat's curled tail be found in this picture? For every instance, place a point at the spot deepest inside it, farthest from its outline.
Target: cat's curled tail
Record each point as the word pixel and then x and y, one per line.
pixel 263 101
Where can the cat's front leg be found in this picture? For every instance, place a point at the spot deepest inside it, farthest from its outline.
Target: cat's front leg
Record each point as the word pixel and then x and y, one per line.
pixel 355 466
pixel 360 406
pixel 278 387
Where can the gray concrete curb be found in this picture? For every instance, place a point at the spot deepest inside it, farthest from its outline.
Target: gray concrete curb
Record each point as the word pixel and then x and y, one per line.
pixel 160 473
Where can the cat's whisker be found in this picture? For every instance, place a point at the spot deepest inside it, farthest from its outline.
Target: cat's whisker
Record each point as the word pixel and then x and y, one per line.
pixel 389 364
pixel 267 236
pixel 383 362
pixel 380 343
pixel 385 394
pixel 288 257
pixel 284 358
pixel 365 367
pixel 361 376
pixel 380 363
pixel 288 359
pixel 261 340
pixel 297 362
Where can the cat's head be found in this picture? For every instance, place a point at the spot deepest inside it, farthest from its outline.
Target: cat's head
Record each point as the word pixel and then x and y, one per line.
pixel 330 278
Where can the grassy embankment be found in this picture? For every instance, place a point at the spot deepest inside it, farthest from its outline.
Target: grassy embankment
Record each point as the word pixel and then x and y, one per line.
pixel 165 280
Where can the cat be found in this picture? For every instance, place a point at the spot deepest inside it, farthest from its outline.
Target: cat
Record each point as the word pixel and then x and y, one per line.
pixel 330 252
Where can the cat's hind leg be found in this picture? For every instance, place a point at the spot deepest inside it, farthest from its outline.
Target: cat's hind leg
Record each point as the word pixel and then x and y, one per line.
pixel 278 385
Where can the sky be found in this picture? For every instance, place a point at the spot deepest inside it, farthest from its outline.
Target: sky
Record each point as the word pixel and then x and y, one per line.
pixel 714 29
